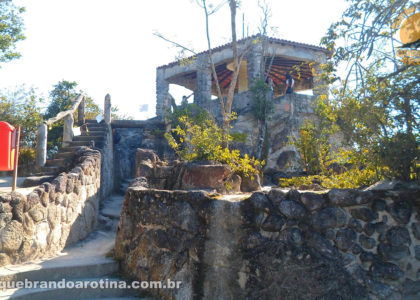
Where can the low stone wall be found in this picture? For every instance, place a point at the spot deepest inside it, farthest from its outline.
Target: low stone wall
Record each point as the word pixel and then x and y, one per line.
pixel 344 244
pixel 54 215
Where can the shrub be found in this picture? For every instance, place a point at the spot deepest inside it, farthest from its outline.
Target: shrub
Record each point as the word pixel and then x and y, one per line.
pixel 201 142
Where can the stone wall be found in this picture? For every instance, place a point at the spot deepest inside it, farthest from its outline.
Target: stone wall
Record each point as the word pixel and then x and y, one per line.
pixel 288 113
pixel 130 135
pixel 54 215
pixel 344 244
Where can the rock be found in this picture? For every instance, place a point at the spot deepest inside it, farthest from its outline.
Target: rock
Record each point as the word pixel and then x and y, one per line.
pixel 411 289
pixel 294 236
pixel 273 223
pixel 385 270
pixel 4 259
pixel 145 169
pixel 345 239
pixel 11 237
pixel 276 196
pixel 417 252
pixel 260 202
pixel 380 227
pixel 384 185
pixel 60 183
pixel 391 252
pixel 398 236
pixel 313 201
pixel 366 242
pixel 293 195
pixel 5 218
pixel 329 234
pixel 233 184
pixel 348 197
pixel 378 205
pixel 369 229
pixel 416 230
pixel 329 217
pixel 249 184
pixel 363 213
pixel 356 250
pixel 355 225
pixel 401 211
pixel 292 209
pixel 323 246
pixel 382 290
pixel 197 176
pixel 366 256
pixel 146 155
pixel 139 182
pixel 38 213
pixel 183 216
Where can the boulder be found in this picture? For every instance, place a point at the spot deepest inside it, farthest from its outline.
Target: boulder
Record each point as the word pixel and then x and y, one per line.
pixel 249 184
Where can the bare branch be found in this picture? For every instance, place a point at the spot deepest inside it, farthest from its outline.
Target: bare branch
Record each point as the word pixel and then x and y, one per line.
pixel 174 43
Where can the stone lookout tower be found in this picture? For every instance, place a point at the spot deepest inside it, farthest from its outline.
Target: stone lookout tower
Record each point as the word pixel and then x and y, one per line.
pixel 264 55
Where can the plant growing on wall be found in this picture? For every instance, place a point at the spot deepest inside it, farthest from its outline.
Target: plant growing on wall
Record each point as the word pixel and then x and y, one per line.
pixel 205 142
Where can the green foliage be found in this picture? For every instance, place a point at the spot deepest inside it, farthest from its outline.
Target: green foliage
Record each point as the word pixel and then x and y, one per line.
pixel 26 160
pixel 11 30
pixel 353 178
pixel 371 119
pixel 22 107
pixel 204 142
pixel 239 137
pixel 262 104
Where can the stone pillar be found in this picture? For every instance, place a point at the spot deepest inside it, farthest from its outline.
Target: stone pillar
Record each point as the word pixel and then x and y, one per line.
pixel 162 94
pixel 254 58
pixel 107 109
pixel 81 113
pixel 202 95
pixel 41 145
pixel 68 129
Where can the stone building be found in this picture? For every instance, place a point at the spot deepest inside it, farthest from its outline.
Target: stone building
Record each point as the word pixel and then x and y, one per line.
pixel 264 55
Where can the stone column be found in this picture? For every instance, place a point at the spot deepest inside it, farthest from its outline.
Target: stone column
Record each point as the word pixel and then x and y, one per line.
pixel 254 58
pixel 81 113
pixel 68 130
pixel 41 145
pixel 162 94
pixel 202 95
pixel 107 109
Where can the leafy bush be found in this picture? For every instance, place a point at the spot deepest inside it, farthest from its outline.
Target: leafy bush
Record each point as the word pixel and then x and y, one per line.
pixel 202 142
pixel 353 178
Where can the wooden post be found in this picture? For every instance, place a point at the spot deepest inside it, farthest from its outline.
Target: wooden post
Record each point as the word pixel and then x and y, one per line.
pixel 41 145
pixel 107 109
pixel 68 130
pixel 81 113
pixel 15 171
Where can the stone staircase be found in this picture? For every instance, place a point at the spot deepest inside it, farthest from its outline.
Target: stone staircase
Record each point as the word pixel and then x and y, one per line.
pixel 93 134
pixel 89 260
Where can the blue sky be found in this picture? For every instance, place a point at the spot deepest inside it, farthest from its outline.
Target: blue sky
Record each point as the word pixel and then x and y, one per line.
pixel 108 46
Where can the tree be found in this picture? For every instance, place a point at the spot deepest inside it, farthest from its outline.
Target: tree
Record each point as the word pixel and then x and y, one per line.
pixel 375 108
pixel 11 30
pixel 21 107
pixel 225 104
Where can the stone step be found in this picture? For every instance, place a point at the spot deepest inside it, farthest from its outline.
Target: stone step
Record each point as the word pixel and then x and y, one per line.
pixel 84 143
pixel 59 162
pixel 112 207
pixel 72 149
pixel 75 293
pixel 50 170
pixel 95 138
pixel 67 155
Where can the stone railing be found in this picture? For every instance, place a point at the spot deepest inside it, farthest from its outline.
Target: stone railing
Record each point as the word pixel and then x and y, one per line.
pixel 54 214
pixel 67 116
pixel 344 244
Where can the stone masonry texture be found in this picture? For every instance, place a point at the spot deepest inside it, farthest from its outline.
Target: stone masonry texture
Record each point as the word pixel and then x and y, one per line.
pixel 344 244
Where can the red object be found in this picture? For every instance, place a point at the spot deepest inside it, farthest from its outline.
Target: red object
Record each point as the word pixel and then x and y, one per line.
pixel 7 146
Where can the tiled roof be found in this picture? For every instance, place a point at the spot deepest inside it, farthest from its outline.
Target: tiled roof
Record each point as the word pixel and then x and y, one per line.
pixel 271 40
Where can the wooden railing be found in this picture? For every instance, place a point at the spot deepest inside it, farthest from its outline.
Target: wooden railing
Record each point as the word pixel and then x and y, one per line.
pixel 67 116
